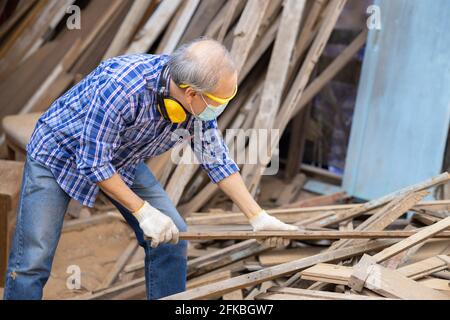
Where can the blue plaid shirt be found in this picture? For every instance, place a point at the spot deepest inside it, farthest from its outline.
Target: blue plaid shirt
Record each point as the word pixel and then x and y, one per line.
pixel 109 123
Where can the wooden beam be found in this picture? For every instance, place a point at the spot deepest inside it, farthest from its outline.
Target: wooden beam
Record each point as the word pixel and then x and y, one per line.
pixel 303 235
pixel 386 215
pixel 177 27
pixel 418 237
pixel 339 217
pixel 154 26
pixel 393 284
pixel 332 70
pixel 219 288
pixel 280 293
pixel 247 30
pixel 128 28
pixel 277 73
pixel 338 274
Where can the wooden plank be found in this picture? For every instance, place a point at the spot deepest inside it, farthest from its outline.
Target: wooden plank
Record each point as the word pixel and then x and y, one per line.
pixel 234 295
pixel 392 284
pixel 23 9
pixel 56 18
pixel 208 278
pixel 297 141
pixel 246 30
pixel 274 257
pixel 332 70
pixel 227 16
pixel 253 278
pixel 317 201
pixel 288 215
pixel 176 29
pixel 418 237
pixel 233 7
pixel 206 12
pixel 22 39
pixel 94 46
pixel 331 220
pixel 277 293
pixel 298 86
pixel 437 284
pixel 277 73
pixel 128 28
pixel 386 215
pixel 305 235
pixel 154 26
pixel 339 274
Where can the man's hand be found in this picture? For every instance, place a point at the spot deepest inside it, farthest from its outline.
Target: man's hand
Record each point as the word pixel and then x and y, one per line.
pixel 156 225
pixel 266 222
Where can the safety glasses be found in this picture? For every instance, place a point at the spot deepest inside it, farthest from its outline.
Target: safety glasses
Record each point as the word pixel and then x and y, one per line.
pixel 222 101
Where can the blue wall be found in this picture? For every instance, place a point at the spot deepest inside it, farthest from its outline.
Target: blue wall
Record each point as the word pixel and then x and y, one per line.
pixel 402 112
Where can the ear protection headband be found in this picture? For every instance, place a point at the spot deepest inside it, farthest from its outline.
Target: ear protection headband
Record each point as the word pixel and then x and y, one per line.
pixel 170 108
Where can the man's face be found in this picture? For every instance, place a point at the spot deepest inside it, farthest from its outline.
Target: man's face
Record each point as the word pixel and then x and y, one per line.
pixel 225 89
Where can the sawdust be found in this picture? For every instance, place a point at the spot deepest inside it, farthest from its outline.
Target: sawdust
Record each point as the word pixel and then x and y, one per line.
pixel 94 249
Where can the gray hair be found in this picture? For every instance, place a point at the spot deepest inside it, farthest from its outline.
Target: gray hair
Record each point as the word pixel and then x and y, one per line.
pixel 200 64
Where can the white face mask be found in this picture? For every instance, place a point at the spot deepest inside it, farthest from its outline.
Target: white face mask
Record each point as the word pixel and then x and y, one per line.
pixel 210 112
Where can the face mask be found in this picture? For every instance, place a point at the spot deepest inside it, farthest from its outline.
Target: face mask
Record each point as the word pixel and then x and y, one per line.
pixel 210 112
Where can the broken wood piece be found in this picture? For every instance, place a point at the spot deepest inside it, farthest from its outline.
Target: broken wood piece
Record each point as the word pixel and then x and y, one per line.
pixel 418 237
pixel 386 215
pixel 393 284
pixel 253 278
pixel 357 211
pixel 361 272
pixel 338 274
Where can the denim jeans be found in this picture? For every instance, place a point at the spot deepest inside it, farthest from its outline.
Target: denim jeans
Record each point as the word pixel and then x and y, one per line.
pixel 40 217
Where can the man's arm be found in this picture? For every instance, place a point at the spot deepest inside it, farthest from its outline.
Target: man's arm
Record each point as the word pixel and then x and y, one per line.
pixel 234 187
pixel 116 188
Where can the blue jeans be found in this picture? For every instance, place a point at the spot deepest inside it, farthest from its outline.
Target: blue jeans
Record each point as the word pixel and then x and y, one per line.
pixel 40 217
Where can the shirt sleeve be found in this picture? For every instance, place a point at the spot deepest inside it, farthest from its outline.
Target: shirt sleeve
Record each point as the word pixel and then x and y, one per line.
pixel 212 152
pixel 101 132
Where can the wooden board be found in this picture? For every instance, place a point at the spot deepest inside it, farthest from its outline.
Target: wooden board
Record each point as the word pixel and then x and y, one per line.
pixel 222 287
pixel 311 235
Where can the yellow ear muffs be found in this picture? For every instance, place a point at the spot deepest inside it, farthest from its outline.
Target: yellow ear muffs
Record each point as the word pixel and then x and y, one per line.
pixel 174 110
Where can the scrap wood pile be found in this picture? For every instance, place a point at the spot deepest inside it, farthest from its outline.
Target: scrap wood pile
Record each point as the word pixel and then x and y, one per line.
pixel 371 250
pixel 276 45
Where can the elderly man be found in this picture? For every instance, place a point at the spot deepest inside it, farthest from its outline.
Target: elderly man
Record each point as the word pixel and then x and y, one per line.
pixel 97 135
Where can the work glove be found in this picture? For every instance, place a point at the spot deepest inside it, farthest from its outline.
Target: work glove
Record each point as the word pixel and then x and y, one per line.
pixel 266 222
pixel 156 225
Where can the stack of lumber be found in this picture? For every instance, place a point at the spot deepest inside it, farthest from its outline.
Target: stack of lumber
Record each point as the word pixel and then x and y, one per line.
pixel 276 45
pixel 345 252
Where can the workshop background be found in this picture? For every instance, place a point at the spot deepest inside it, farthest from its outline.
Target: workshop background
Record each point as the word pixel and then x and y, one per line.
pixel 360 93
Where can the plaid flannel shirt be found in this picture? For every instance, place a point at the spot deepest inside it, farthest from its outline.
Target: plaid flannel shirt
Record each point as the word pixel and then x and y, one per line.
pixel 109 123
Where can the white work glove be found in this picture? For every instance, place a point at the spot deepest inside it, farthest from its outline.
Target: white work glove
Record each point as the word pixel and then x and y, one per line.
pixel 266 222
pixel 156 225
